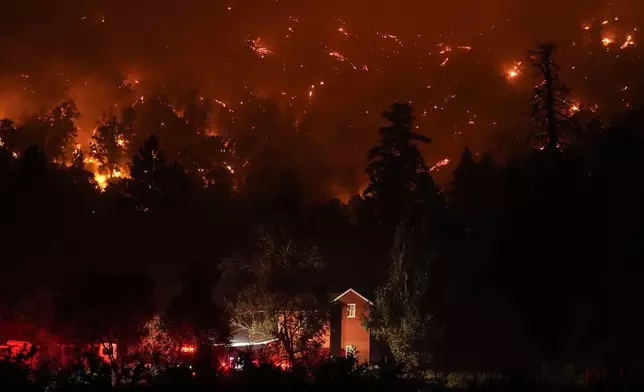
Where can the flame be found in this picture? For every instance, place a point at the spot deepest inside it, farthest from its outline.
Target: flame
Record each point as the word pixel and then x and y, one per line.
pixel 514 71
pixel 188 349
pixel 337 55
pixel 101 181
pixel 629 42
pixel 439 164
pixel 574 107
pixel 258 47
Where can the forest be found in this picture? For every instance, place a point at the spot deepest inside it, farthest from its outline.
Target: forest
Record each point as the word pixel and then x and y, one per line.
pixel 520 261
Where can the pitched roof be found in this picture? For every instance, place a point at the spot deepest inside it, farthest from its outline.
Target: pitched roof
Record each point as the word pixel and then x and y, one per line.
pixel 354 292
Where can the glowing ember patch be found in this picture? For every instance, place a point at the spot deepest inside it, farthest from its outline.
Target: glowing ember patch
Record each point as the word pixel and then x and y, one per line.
pixel 188 349
pixel 440 164
pixel 337 55
pixel 629 42
pixel 258 47
pixel 574 107
pixel 514 71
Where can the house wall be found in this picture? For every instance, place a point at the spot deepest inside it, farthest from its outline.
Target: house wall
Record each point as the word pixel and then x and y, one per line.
pixel 335 330
pixel 352 331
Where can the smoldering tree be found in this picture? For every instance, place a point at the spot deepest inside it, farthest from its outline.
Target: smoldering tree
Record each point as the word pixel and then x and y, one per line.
pixel 551 105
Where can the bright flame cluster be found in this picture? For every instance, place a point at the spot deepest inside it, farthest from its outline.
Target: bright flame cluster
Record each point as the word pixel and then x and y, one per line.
pixel 258 47
pixel 439 164
pixel 514 71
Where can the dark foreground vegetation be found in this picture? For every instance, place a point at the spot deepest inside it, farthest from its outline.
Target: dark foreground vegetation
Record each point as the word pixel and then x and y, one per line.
pixel 338 374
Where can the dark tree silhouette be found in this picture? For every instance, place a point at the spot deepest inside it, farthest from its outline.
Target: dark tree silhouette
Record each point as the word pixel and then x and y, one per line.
pixel 110 310
pixel 550 103
pixel 153 181
pixel 397 172
pixel 63 131
pixel 197 113
pixel 193 316
pixel 54 132
pixel 8 134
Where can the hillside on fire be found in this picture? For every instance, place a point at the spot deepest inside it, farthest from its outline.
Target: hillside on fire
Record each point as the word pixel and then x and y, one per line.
pixel 230 194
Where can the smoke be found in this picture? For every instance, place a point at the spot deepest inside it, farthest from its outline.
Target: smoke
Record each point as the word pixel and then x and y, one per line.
pixel 389 51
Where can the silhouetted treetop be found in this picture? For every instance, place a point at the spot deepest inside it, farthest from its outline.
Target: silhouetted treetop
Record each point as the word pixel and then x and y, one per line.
pixel 398 174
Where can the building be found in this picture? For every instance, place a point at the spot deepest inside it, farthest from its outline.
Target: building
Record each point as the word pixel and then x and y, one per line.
pixel 347 334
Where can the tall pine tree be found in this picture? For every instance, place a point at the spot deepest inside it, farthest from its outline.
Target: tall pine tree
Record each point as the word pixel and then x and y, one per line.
pixel 550 102
pixel 397 172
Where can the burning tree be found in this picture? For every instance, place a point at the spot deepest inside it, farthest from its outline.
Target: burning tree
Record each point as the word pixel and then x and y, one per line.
pixel 282 299
pixel 7 132
pixel 108 146
pixel 551 106
pixel 54 132
pixel 156 345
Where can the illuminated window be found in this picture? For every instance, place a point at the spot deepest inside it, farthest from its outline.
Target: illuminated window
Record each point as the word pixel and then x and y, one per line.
pixel 351 310
pixel 351 350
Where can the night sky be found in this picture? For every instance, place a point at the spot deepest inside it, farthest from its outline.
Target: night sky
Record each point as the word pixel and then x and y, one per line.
pixel 332 65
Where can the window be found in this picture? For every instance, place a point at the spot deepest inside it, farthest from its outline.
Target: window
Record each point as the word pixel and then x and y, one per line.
pixel 350 351
pixel 351 310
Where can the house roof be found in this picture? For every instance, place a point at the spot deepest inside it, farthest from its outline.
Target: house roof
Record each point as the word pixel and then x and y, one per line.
pixel 354 292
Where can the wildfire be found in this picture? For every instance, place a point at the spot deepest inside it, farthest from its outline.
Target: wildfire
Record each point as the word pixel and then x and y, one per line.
pixel 629 42
pixel 514 71
pixel 607 41
pixel 439 164
pixel 258 47
pixel 573 107
pixel 337 55
pixel 103 180
pixel 444 48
